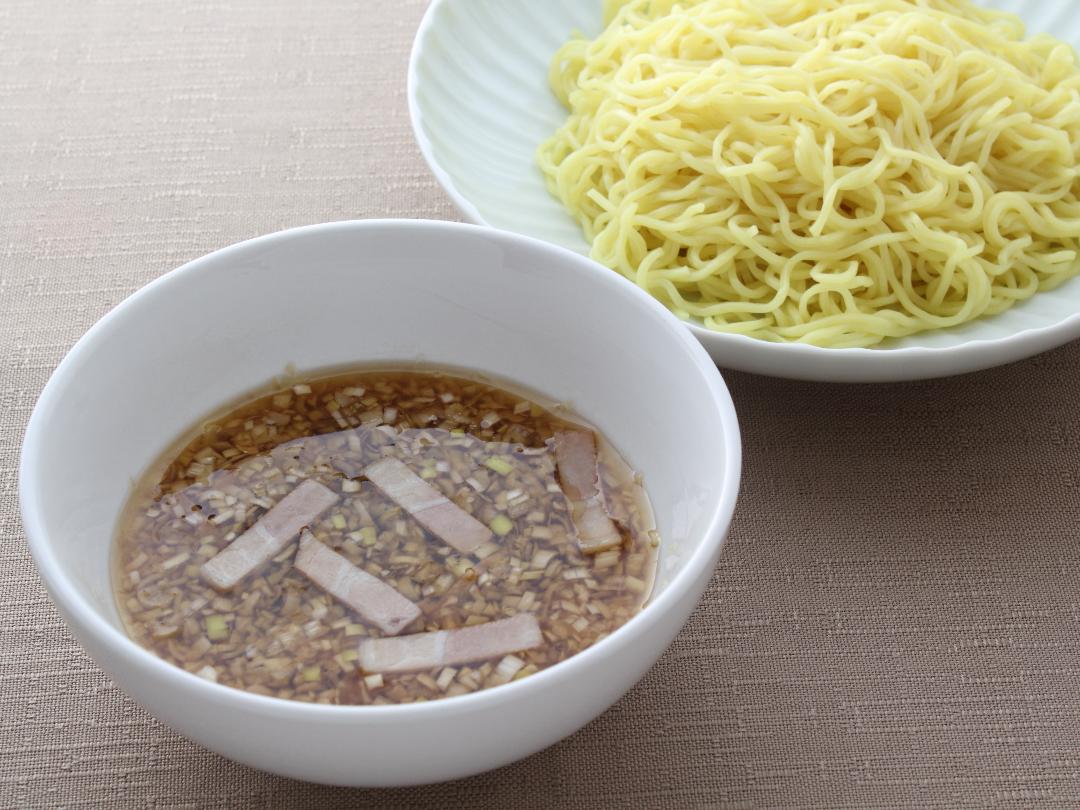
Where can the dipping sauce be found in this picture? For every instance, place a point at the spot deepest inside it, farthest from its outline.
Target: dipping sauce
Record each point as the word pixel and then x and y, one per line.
pixel 383 537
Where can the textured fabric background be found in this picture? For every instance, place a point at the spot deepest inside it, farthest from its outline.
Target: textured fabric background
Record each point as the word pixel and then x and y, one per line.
pixel 896 620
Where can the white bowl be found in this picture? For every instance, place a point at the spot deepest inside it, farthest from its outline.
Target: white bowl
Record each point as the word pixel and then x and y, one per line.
pixel 480 106
pixel 378 291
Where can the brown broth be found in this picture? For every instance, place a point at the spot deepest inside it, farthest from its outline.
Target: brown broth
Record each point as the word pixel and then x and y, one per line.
pixel 279 634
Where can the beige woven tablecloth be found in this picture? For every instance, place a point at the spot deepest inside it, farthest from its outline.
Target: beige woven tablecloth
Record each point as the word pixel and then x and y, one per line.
pixel 896 620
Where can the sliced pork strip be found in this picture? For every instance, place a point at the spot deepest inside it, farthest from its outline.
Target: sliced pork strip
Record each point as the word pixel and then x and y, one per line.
pixel 403 653
pixel 619 479
pixel 368 596
pixel 407 489
pixel 455 526
pixel 576 460
pixel 450 647
pixel 435 512
pixel 595 529
pixel 498 638
pixel 269 535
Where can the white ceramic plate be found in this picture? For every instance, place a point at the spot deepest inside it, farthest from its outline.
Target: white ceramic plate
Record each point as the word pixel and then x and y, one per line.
pixel 480 105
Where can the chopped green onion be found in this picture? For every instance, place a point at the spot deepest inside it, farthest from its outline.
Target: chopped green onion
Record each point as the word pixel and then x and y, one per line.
pixel 607 559
pixel 367 536
pixel 509 667
pixel 338 521
pixel 345 659
pixel 525 672
pixel 542 558
pixel 217 629
pixel 176 560
pixel 499 465
pixel 501 525
pixel 311 674
pixel 446 677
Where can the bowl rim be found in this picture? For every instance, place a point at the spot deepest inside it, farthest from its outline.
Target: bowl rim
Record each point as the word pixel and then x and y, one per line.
pixel 790 360
pixel 69 598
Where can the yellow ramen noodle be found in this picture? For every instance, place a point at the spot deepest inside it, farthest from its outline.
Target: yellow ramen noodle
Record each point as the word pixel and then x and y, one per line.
pixel 829 172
